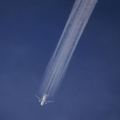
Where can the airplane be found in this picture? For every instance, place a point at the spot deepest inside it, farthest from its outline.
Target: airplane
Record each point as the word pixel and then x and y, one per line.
pixel 43 100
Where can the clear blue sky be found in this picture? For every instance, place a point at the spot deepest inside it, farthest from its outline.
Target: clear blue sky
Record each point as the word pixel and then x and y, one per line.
pixel 29 32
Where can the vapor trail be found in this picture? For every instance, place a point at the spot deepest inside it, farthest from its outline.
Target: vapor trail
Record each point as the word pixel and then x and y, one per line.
pixel 72 32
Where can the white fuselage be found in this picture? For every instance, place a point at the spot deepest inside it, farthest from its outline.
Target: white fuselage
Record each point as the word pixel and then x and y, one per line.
pixel 43 100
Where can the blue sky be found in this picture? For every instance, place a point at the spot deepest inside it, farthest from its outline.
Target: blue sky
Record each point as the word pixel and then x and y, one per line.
pixel 29 32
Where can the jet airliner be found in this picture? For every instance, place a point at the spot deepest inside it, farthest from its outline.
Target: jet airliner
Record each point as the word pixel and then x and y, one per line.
pixel 43 100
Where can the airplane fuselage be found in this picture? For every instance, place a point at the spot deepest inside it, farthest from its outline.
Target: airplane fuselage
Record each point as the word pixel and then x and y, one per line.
pixel 43 100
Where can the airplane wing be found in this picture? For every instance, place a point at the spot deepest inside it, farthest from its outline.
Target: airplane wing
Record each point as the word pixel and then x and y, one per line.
pixel 38 97
pixel 48 101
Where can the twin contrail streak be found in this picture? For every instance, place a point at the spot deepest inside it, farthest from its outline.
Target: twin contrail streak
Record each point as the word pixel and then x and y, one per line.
pixel 72 32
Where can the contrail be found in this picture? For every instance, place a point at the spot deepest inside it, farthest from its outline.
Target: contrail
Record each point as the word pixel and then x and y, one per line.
pixel 72 32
